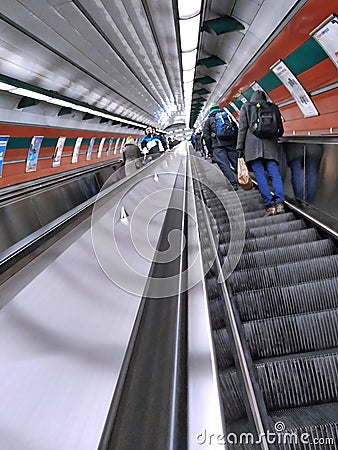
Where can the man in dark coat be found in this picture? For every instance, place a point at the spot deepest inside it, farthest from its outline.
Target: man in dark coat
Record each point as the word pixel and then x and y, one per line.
pixel 223 151
pixel 261 154
pixel 151 145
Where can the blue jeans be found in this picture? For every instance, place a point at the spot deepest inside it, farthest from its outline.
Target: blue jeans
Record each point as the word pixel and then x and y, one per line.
pixel 310 173
pixel 259 166
pixel 223 157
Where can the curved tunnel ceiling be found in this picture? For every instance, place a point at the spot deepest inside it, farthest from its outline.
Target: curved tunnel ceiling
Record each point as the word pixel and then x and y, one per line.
pixel 123 56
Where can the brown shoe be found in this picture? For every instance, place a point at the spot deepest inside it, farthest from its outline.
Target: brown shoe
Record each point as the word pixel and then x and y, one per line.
pixel 270 211
pixel 279 208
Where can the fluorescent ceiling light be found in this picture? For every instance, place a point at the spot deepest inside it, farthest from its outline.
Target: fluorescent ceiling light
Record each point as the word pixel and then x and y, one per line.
pixel 6 87
pixel 189 30
pixel 189 60
pixel 188 75
pixel 56 101
pixel 30 94
pixel 188 8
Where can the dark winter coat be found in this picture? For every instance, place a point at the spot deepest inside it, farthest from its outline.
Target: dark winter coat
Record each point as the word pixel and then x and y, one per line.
pixel 253 146
pixel 209 133
pixel 131 151
pixel 152 144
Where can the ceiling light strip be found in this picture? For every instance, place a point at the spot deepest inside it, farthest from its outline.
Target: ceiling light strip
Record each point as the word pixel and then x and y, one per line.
pixel 55 101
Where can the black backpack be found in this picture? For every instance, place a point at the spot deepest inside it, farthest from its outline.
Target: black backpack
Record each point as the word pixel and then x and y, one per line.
pixel 265 124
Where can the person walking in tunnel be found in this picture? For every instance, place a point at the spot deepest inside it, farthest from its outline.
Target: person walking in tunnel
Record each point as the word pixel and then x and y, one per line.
pixel 260 126
pixel 222 146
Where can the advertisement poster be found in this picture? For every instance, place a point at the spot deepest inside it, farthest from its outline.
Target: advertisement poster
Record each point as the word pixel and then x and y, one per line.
pixel 122 145
pixel 257 87
pixel 58 151
pixel 110 146
pixel 90 149
pixel 232 104
pixel 76 150
pixel 33 153
pixel 326 34
pixel 116 145
pixel 3 145
pixel 297 91
pixel 99 153
pixel 231 115
pixel 243 99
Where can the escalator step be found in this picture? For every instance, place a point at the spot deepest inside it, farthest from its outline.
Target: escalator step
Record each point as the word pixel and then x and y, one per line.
pixel 277 228
pixel 280 301
pixel 264 231
pixel 284 274
pixel 286 254
pixel 232 395
pixel 272 242
pixel 298 380
pixel 223 223
pixel 217 314
pixel 222 349
pixel 292 334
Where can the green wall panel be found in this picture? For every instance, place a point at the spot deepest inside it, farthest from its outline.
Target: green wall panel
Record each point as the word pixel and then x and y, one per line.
pixel 306 56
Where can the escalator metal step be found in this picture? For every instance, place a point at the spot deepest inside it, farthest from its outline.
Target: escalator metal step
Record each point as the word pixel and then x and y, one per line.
pixel 281 301
pixel 272 242
pixel 284 274
pixel 315 427
pixel 223 349
pixel 292 334
pixel 217 313
pixel 223 223
pixel 284 255
pixel 268 230
pixel 299 380
pixel 232 395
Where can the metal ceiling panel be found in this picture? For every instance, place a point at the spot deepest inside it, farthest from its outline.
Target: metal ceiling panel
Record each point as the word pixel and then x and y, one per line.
pixel 95 38
pixel 260 18
pixel 123 56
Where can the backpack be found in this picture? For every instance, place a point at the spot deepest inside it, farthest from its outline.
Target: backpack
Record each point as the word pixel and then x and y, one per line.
pixel 266 121
pixel 224 126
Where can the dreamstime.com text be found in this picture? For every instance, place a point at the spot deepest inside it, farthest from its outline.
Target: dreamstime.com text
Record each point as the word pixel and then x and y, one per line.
pixel 278 436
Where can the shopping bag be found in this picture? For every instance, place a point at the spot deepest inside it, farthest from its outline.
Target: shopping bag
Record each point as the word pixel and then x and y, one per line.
pixel 243 176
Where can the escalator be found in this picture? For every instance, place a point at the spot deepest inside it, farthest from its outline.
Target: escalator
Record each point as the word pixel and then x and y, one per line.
pixel 283 294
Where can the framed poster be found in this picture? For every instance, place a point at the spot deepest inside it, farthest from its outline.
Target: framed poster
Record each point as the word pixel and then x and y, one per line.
pixel 232 104
pixel 90 149
pixel 243 99
pixel 99 153
pixel 257 87
pixel 326 34
pixel 110 146
pixel 3 145
pixel 58 151
pixel 33 154
pixel 232 117
pixel 117 143
pixel 76 150
pixel 297 91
